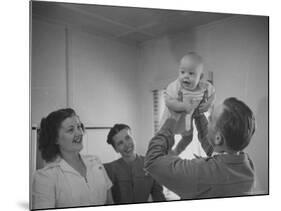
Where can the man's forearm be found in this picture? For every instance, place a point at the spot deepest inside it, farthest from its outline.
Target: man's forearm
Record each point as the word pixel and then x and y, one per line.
pixel 169 170
pixel 157 192
pixel 161 143
pixel 183 143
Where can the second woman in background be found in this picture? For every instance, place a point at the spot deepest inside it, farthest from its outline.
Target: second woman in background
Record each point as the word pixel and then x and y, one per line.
pixel 131 184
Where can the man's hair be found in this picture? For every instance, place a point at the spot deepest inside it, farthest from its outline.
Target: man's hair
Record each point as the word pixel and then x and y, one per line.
pixel 113 131
pixel 236 123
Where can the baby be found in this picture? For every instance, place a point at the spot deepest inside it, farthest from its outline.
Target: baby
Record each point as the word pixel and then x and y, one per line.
pixel 187 92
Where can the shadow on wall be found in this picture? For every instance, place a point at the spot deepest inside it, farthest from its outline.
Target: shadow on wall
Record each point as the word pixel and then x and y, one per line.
pixel 258 149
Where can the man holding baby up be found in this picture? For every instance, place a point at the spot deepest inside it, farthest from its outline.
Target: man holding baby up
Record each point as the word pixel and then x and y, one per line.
pixel 228 171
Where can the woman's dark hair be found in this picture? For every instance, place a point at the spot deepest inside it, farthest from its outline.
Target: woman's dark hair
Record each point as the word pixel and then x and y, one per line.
pixel 113 131
pixel 236 123
pixel 48 133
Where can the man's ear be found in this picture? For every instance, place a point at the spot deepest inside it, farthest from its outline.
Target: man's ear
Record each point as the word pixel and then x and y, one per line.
pixel 219 140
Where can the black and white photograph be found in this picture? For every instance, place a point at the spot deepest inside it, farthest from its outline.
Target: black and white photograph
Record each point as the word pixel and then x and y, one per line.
pixel 133 105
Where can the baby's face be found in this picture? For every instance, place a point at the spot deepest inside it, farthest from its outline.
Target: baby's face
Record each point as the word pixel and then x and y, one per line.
pixel 190 71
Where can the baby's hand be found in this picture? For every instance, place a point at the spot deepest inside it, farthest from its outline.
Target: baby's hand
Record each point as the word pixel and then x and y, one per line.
pixel 204 106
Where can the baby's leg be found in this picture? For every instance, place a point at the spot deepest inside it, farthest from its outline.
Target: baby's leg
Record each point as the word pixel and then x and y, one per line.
pixel 187 122
pixel 191 102
pixel 186 138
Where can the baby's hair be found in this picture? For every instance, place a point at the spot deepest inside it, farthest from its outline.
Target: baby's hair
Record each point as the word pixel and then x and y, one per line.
pixel 193 55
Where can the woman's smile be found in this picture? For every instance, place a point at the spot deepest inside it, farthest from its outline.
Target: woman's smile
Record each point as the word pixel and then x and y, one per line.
pixel 129 149
pixel 78 140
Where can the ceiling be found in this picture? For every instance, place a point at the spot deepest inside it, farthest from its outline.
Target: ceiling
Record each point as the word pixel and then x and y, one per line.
pixel 126 24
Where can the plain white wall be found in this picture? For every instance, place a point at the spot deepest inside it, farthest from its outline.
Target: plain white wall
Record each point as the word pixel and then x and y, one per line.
pixel 98 81
pixel 102 86
pixel 235 49
pixel 48 74
pixel 104 80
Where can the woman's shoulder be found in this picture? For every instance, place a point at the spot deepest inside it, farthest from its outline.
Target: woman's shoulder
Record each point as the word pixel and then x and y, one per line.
pixel 92 160
pixel 114 165
pixel 47 173
pixel 49 168
pixel 90 157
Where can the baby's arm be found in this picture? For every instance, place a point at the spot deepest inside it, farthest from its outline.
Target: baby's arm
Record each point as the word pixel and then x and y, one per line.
pixel 175 105
pixel 205 106
pixel 174 99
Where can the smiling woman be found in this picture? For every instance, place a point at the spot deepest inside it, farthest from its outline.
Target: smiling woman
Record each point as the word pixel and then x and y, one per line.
pixel 131 184
pixel 68 179
pixel 55 132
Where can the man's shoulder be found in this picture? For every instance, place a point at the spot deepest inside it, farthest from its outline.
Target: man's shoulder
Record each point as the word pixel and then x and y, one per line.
pixel 199 164
pixel 221 161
